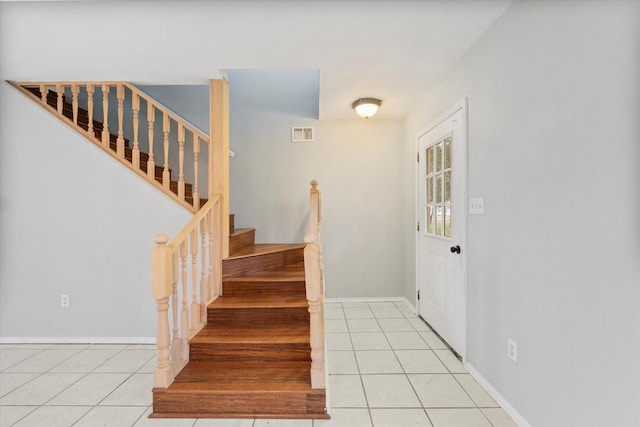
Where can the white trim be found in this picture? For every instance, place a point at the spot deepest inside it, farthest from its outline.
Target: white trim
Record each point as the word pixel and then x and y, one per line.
pixel 463 105
pixel 504 404
pixel 77 340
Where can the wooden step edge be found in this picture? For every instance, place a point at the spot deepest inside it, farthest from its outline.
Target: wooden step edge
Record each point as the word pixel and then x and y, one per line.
pixel 240 231
pixel 305 416
pixel 259 305
pixel 265 249
pixel 258 279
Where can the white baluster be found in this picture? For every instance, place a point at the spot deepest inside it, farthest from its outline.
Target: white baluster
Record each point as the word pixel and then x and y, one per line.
pixel 120 140
pixel 106 137
pixel 195 306
pixel 90 130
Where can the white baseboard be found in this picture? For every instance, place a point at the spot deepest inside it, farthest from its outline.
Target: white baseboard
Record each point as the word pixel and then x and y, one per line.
pixel 504 404
pixel 77 340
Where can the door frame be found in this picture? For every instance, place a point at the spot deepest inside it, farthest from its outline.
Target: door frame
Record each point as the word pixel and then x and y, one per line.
pixel 463 105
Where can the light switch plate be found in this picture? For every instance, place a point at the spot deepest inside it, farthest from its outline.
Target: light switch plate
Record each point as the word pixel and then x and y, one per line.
pixel 476 206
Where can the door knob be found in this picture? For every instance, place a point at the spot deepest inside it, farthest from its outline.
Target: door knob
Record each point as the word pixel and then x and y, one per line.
pixel 455 249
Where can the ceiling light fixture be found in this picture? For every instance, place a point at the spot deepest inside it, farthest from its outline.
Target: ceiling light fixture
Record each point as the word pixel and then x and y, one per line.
pixel 366 107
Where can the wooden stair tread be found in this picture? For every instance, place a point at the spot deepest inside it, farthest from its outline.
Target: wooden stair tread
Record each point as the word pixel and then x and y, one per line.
pixel 247 377
pixel 269 335
pixel 239 231
pixel 288 273
pixel 265 248
pixel 270 301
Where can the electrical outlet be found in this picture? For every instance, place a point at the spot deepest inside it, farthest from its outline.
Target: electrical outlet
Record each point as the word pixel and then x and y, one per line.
pixel 512 350
pixel 64 300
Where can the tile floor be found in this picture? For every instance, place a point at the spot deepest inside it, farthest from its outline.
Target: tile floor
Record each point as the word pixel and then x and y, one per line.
pixel 386 368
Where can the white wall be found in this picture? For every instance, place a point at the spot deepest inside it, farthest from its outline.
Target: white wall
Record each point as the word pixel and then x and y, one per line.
pixel 73 221
pixel 554 101
pixel 356 162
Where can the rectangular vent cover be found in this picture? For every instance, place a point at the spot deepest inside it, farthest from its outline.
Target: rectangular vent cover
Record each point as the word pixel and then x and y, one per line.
pixel 302 134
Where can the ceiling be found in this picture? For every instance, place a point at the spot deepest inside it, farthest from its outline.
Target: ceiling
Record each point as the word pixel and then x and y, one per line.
pixel 392 50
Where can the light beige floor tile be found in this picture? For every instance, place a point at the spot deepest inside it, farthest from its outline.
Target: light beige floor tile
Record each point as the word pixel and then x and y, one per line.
pixel 4 346
pixel 346 391
pixel 358 313
pixel 395 325
pixel 382 304
pixel 111 416
pixel 70 347
pixel 53 416
pixel 13 356
pixel 333 313
pixel 498 417
pixel 43 361
pixel 387 313
pixel 419 324
pixel 342 362
pixel 355 305
pixel 406 341
pixel 11 414
pixel 136 390
pixel 109 346
pixel 40 390
pixel 433 340
pixel 333 326
pixel 346 417
pixel 283 423
pixel 35 346
pixel 85 361
pixel 10 381
pixel 149 367
pixel 405 417
pixel 440 391
pixel 450 361
pixel 420 362
pixel 378 362
pixel 363 325
pixel 145 421
pixel 389 391
pixel 471 417
pixel 142 347
pixel 90 390
pixel 126 361
pixel 332 305
pixel 475 390
pixel 223 422
pixel 339 342
pixel 407 312
pixel 370 341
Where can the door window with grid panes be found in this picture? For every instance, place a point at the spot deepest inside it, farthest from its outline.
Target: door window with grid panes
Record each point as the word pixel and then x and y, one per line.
pixel 438 188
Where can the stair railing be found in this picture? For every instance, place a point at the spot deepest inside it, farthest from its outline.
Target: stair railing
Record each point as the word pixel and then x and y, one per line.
pixel 186 278
pixel 114 115
pixel 314 277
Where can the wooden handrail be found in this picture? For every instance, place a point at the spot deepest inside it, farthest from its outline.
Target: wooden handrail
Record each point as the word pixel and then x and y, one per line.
pixel 187 269
pixel 314 279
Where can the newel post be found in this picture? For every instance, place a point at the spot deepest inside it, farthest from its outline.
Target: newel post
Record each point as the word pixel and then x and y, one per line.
pixel 161 289
pixel 218 165
pixel 314 298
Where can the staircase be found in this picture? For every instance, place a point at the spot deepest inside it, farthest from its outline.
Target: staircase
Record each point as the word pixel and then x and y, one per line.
pixel 252 358
pixel 239 336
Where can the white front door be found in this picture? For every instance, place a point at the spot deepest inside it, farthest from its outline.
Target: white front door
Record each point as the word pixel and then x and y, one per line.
pixel 441 260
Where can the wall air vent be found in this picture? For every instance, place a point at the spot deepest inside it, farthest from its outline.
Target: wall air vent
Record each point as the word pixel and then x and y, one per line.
pixel 302 134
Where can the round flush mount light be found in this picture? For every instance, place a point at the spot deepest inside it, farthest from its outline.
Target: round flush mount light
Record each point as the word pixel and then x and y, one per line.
pixel 366 107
